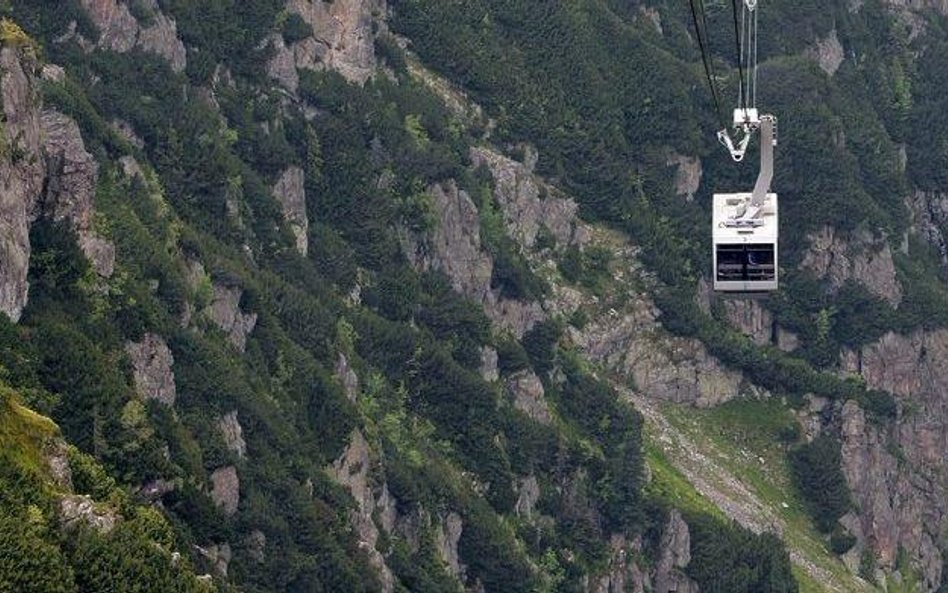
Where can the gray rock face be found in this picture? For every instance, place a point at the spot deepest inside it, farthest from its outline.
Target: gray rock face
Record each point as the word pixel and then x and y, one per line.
pixel 343 40
pixel 72 177
pixel 902 502
pixel 217 556
pixel 454 247
pixel 226 314
pixel 527 392
pixel 256 544
pixel 928 215
pixel 348 377
pixel 352 470
pixel 121 32
pixel 828 53
pixel 291 193
pixel 528 494
pixel 519 191
pixel 662 367
pixel 674 556
pixel 152 361
pixel 752 319
pixel 57 459
pixel 687 175
pixel 862 258
pixel 76 510
pixel 233 433
pixel 21 174
pixel 489 370
pixel 447 536
pixel 225 489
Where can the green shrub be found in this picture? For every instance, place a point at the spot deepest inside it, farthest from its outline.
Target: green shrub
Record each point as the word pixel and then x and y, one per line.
pixel 841 541
pixel 296 29
pixel 817 472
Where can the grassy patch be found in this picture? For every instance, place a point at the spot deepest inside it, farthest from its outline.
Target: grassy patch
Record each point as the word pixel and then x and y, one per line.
pixel 747 438
pixel 670 486
pixel 23 434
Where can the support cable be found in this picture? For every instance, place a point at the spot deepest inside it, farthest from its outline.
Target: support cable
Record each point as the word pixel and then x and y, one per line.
pixel 706 59
pixel 740 60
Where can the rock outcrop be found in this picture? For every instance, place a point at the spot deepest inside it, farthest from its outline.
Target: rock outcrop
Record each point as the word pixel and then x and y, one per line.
pixel 828 53
pixel 489 370
pixel 897 475
pixel 151 363
pixel 121 32
pixel 347 377
pixel 634 344
pixel 527 203
pixel 688 172
pixel 343 40
pixel 447 535
pixel 353 470
pixel 528 396
pixel 21 174
pixel 752 319
pixel 290 191
pixel 233 434
pixel 674 556
pixel 528 495
pixel 862 258
pixel 225 489
pixel 76 510
pixel 929 214
pixel 225 312
pixel 72 176
pixel 454 248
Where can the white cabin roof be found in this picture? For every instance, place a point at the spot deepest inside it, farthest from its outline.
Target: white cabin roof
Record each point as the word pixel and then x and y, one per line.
pixel 725 207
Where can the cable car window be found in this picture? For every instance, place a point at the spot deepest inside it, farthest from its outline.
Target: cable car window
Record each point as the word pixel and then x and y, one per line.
pixel 751 262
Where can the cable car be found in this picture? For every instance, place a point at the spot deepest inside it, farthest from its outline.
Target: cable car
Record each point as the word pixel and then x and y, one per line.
pixel 744 257
pixel 745 226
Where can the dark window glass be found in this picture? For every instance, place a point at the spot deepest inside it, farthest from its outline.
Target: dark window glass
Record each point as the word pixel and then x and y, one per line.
pixel 752 262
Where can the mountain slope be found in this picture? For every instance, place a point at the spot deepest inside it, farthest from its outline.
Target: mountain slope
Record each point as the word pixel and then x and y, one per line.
pixel 355 326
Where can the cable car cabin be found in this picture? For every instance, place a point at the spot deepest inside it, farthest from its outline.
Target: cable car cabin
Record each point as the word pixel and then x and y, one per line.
pixel 744 244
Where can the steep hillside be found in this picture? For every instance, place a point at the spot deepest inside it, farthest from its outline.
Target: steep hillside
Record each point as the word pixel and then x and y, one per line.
pixel 364 296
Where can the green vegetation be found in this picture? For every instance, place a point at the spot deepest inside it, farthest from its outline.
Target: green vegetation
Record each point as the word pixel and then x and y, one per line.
pixel 605 98
pixel 818 474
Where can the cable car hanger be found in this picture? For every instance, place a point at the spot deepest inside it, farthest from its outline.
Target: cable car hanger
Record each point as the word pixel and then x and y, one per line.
pixel 744 225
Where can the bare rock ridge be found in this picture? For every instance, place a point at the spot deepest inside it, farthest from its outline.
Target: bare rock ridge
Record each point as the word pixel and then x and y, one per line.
pixel 121 32
pixel 343 40
pixel 72 176
pixel 863 258
pixel 291 193
pixel 528 396
pixel 454 247
pixel 828 53
pixel 675 554
pixel 21 174
pixel 902 501
pixel 225 312
pixel 151 363
pixel 45 171
pixel 225 489
pixel 233 434
pixel 688 172
pixel 528 204
pixel 352 470
pixel 928 215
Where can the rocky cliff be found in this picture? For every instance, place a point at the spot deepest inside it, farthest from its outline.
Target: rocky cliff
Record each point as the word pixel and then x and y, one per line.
pixel 898 476
pixel 343 39
pixel 121 32
pixel 21 172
